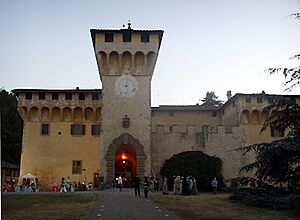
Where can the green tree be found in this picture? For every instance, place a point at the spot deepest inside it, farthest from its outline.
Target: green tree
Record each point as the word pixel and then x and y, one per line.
pixel 11 128
pixel 193 163
pixel 211 99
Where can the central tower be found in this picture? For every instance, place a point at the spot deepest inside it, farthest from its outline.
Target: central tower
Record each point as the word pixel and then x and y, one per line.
pixel 126 59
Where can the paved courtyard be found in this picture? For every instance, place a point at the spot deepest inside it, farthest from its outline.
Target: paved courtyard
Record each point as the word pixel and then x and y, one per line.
pixel 124 205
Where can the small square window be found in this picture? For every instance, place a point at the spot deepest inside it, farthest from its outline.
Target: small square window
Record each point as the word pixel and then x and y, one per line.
pixel 144 37
pixel 54 96
pixel 76 167
pixel 127 36
pixel 248 99
pixel 45 129
pixel 95 96
pixel 28 95
pixel 214 114
pixel 81 96
pixel 109 37
pixel 259 99
pixel 41 96
pixel 77 129
pixel 96 130
pixel 68 96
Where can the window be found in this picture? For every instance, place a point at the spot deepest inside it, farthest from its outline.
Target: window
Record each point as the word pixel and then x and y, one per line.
pixel 45 129
pixel 76 167
pixel 109 37
pixel 41 96
pixel 248 99
pixel 96 130
pixel 259 99
pixel 127 36
pixel 81 96
pixel 68 96
pixel 95 96
pixel 28 95
pixel 145 37
pixel 276 132
pixel 214 114
pixel 77 129
pixel 54 96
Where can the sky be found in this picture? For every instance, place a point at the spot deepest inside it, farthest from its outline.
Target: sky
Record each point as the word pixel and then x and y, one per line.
pixel 208 45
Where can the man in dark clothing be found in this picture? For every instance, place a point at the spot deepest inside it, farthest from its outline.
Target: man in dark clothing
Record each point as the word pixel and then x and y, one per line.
pixel 146 187
pixel 136 182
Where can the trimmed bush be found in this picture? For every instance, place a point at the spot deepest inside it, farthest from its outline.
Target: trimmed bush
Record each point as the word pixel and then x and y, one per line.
pixel 193 163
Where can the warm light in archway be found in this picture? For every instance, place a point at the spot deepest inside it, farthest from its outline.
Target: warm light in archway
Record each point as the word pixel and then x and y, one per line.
pixel 124 157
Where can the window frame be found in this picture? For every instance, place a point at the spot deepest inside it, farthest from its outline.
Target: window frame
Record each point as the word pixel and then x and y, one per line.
pixel 77 129
pixel 109 37
pixel 42 129
pixel 96 132
pixel 76 169
pixel 68 96
pixel 127 36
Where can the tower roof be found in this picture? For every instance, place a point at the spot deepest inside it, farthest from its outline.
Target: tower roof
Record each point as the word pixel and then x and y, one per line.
pixel 95 31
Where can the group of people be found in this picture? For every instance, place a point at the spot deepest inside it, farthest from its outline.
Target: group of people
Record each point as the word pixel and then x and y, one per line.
pixel 66 185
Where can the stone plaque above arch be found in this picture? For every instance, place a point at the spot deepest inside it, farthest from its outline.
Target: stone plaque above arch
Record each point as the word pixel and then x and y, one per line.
pixel 110 155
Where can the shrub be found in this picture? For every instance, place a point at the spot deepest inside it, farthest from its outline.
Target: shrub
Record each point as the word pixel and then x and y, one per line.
pixel 193 163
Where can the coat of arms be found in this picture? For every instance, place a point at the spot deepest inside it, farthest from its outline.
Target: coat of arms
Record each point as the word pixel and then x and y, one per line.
pixel 126 121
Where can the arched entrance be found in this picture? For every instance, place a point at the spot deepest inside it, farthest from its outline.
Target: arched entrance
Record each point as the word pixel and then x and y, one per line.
pixel 133 153
pixel 125 163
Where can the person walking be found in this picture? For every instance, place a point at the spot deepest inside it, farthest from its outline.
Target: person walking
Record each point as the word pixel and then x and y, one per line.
pixel 146 187
pixel 177 186
pixel 120 182
pixel 214 185
pixel 136 182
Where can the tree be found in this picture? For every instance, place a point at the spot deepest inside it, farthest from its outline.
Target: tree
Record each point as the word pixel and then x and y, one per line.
pixel 280 159
pixel 11 128
pixel 211 100
pixel 193 163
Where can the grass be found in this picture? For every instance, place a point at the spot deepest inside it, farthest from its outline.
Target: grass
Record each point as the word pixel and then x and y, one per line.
pixel 209 206
pixel 47 205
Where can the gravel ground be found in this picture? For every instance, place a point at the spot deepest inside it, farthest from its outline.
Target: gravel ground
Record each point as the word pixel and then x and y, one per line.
pixel 124 205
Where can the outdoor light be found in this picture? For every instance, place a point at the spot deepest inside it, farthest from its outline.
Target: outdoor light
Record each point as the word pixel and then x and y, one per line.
pixel 123 161
pixel 124 157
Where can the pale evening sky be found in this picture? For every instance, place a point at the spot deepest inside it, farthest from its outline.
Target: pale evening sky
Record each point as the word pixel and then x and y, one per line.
pixel 207 45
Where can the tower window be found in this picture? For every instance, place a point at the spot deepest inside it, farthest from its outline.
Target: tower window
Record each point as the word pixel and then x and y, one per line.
pixel 81 96
pixel 45 129
pixel 248 99
pixel 41 96
pixel 76 166
pixel 145 37
pixel 95 96
pixel 259 99
pixel 96 130
pixel 28 95
pixel 77 129
pixel 275 132
pixel 54 96
pixel 127 36
pixel 214 114
pixel 109 37
pixel 68 96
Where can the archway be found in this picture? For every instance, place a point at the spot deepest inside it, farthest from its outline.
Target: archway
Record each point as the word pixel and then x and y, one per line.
pixel 130 147
pixel 125 163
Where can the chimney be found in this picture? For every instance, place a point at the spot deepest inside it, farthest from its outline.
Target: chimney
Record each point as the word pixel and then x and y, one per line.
pixel 228 94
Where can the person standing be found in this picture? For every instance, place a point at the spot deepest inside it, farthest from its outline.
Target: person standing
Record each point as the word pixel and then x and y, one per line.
pixel 177 186
pixel 194 187
pixel 69 184
pixel 63 185
pixel 120 182
pixel 214 184
pixel 146 187
pixel 136 182
pixel 165 186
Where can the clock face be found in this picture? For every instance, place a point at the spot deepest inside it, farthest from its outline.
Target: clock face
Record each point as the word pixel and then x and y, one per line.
pixel 126 86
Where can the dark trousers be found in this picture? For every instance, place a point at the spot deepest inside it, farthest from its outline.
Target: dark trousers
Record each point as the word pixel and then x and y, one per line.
pixel 137 191
pixel 146 192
